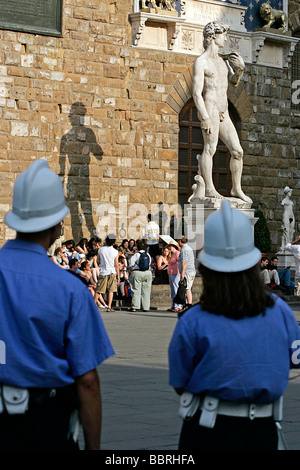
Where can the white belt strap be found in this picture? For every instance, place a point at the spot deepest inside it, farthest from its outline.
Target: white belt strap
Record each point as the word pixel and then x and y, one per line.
pixel 244 410
pixel 212 406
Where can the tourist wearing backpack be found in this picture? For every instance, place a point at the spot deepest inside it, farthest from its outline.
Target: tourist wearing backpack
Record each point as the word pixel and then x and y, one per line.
pixel 140 278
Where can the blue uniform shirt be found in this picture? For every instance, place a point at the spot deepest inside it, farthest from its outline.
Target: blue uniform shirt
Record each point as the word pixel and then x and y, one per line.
pixel 49 322
pixel 245 360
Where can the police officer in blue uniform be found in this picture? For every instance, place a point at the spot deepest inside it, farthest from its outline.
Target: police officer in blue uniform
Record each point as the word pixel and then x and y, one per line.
pixel 230 354
pixel 53 334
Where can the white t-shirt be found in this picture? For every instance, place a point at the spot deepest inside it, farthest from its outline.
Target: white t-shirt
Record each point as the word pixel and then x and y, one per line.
pixel 295 249
pixel 151 233
pixel 107 256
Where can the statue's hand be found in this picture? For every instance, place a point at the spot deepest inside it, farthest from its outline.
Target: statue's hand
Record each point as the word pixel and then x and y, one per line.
pixel 206 125
pixel 236 60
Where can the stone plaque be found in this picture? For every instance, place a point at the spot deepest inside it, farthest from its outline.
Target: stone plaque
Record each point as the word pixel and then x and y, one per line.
pixel 204 11
pixel 32 16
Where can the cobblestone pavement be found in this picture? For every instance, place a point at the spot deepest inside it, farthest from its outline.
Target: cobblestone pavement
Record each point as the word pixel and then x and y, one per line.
pixel 139 407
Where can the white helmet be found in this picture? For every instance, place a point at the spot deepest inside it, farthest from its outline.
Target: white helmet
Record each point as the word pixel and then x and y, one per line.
pixel 38 200
pixel 228 241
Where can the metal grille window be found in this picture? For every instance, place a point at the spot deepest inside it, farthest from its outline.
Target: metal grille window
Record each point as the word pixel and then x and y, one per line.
pixel 295 105
pixel 190 145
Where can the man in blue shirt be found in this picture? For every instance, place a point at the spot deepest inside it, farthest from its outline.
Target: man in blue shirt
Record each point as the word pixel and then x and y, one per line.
pixel 53 334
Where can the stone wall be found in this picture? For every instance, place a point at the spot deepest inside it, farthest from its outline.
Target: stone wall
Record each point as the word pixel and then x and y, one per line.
pixel 294 14
pixel 122 143
pixel 271 144
pixel 123 91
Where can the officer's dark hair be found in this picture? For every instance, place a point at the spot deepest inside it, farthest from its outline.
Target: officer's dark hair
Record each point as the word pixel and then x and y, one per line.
pixel 234 295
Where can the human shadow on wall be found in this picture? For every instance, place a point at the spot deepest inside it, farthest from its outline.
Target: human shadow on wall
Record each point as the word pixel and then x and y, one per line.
pixel 74 158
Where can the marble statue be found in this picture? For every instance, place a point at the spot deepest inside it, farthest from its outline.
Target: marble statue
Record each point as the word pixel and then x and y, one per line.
pixel 154 4
pixel 271 16
pixel 288 225
pixel 198 189
pixel 212 74
pixel 168 4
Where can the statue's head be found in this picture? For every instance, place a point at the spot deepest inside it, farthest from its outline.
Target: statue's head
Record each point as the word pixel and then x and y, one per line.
pixel 77 113
pixel 210 31
pixel 287 190
pixel 265 9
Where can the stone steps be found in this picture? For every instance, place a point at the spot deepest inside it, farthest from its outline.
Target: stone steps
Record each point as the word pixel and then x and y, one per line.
pixel 161 294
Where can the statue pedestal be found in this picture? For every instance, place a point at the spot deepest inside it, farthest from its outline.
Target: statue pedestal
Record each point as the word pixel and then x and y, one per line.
pixel 197 211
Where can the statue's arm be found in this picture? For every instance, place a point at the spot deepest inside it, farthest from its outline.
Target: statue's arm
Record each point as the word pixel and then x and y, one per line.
pixel 236 67
pixel 94 146
pixel 198 87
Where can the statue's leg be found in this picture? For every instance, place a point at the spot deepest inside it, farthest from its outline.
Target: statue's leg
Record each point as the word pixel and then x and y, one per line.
pixel 206 161
pixel 229 136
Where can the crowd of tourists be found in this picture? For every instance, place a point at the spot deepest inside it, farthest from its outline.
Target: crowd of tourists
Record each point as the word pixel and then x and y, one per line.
pixel 83 260
pixel 114 271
